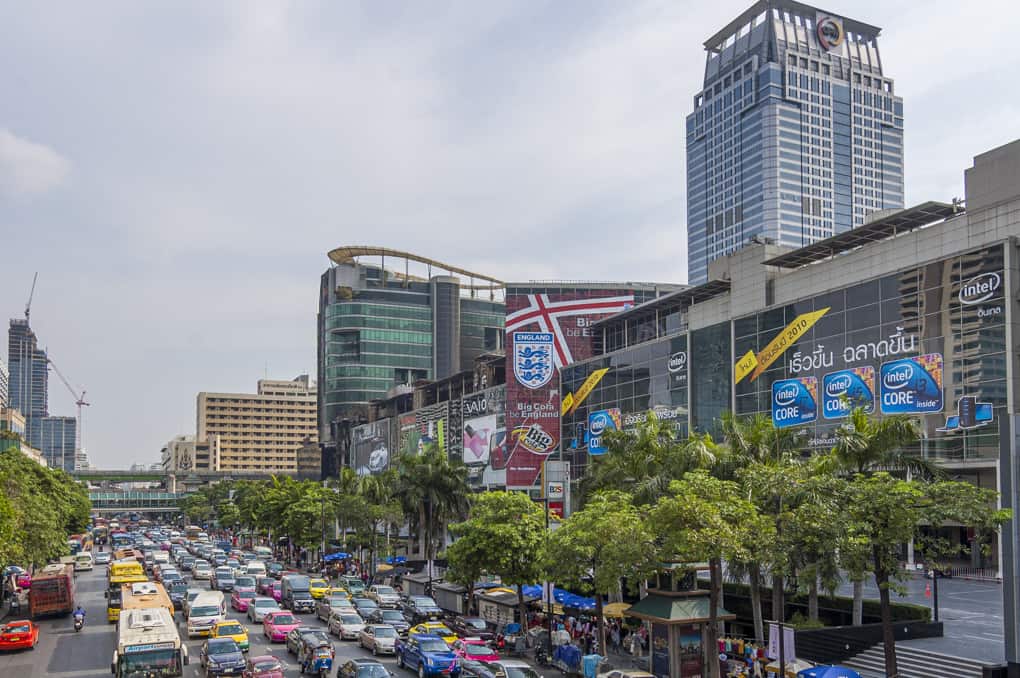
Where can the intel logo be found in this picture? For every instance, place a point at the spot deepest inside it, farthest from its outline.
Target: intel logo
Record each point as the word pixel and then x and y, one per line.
pixel 786 395
pixel 898 376
pixel 598 424
pixel 979 288
pixel 838 386
pixel 677 361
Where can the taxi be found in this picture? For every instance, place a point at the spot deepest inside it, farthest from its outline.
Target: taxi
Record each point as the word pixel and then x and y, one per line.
pixel 338 592
pixel 19 635
pixel 434 629
pixel 231 629
pixel 318 588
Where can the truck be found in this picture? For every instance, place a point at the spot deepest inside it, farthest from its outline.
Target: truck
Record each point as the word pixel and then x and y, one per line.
pixel 52 591
pixel 296 593
pixel 148 644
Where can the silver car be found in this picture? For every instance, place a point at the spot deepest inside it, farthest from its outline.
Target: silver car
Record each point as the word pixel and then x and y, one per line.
pixel 386 596
pixel 202 570
pixel 259 607
pixel 380 638
pixel 345 625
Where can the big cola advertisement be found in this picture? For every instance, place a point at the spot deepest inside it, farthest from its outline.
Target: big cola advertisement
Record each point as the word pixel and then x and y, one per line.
pixel 545 331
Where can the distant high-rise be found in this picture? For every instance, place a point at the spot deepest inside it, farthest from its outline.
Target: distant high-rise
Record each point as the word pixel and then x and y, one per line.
pixel 4 384
pixel 796 134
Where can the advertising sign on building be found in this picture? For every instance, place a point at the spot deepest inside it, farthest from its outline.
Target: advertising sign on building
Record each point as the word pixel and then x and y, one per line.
pixel 430 422
pixel 545 331
pixel 371 447
pixel 794 401
pixel 846 389
pixel 484 437
pixel 912 385
pixel 598 423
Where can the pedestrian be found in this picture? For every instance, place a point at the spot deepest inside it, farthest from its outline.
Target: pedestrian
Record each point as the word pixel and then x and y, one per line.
pixel 615 637
pixel 635 644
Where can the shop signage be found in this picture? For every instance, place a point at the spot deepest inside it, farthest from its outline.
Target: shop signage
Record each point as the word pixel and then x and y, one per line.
pixel 535 439
pixel 912 385
pixel 829 31
pixel 677 362
pixel 554 490
pixel 756 364
pixel 533 361
pixel 598 423
pixel 586 388
pixel 794 401
pixel 980 288
pixel 661 413
pixel 846 389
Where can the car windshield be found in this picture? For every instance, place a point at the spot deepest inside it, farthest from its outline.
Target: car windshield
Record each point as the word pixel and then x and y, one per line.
pixel 247 582
pixel 476 624
pixel 434 646
pixel 222 646
pixel 440 630
pixel 205 611
pixel 230 629
pixel 318 582
pixel 284 619
pixel 392 615
pixel 384 589
pixel 372 671
pixel 19 628
pixel 350 619
pixel 178 586
pixel 385 632
pixel 267 666
pixel 424 601
pixel 265 603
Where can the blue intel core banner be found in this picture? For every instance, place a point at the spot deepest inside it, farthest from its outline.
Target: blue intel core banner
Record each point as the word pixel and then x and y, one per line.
pixel 847 389
pixel 794 401
pixel 912 385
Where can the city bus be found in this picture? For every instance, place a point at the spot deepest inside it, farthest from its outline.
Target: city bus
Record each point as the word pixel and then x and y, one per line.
pixel 145 596
pixel 148 644
pixel 119 573
pixel 191 532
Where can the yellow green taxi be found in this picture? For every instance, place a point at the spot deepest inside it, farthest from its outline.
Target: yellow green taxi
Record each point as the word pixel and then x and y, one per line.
pixel 318 588
pixel 435 629
pixel 231 629
pixel 338 592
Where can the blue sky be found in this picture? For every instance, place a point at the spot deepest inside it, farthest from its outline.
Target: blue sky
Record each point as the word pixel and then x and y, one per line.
pixel 177 171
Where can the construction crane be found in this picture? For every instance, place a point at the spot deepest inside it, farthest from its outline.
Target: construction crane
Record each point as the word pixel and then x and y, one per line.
pixel 28 306
pixel 79 400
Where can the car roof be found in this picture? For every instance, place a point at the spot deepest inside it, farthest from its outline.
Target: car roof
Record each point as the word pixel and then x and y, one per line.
pixel 366 660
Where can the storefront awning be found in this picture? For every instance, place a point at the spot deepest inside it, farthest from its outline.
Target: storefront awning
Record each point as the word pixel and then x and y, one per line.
pixel 675 609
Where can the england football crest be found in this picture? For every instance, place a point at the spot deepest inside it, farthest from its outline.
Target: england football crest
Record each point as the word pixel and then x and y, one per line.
pixel 533 362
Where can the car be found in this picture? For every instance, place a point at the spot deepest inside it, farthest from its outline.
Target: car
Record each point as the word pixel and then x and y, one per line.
pixel 240 599
pixel 203 614
pixel 294 638
pixel 365 606
pixel 327 605
pixel 221 656
pixel 318 587
pixel 275 570
pixel 473 627
pixel 300 601
pixel 427 656
pixel 434 629
pixel 363 668
pixel 339 591
pixel 386 596
pixel 276 625
pixel 102 558
pixel 475 649
pixel 263 666
pixel 259 607
pixel 504 668
pixel 353 584
pixel 244 582
pixel 420 609
pixel 394 618
pixel 380 638
pixel 345 625
pixel 622 673
pixel 264 585
pixel 235 566
pixel 178 592
pixel 277 591
pixel 189 596
pixel 187 562
pixel 201 570
pixel 222 579
pixel 19 635
pixel 231 629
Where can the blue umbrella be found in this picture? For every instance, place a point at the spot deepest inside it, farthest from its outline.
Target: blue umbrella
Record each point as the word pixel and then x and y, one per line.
pixel 829 672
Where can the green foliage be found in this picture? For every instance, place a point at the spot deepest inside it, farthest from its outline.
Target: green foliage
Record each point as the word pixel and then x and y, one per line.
pixel 432 491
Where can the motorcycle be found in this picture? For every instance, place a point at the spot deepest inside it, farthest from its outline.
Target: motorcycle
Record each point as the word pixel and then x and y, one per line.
pixel 541 656
pixel 79 622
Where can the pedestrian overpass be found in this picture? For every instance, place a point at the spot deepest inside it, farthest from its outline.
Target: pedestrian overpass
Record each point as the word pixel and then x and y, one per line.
pixel 141 501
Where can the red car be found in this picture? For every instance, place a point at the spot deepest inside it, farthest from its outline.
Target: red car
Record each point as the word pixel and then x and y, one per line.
pixel 276 625
pixel 277 591
pixel 266 666
pixel 19 635
pixel 241 598
pixel 475 649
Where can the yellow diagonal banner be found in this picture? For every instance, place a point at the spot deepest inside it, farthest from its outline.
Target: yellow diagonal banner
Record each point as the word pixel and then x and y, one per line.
pixel 784 340
pixel 567 403
pixel 586 388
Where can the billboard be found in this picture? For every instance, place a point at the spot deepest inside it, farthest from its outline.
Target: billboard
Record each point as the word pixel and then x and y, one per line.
pixel 794 401
pixel 846 389
pixel 545 331
pixel 912 385
pixel 598 423
pixel 371 447
pixel 431 423
pixel 483 438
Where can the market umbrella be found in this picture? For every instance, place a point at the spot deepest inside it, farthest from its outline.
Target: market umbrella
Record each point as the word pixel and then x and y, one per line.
pixel 793 667
pixel 384 568
pixel 615 610
pixel 829 672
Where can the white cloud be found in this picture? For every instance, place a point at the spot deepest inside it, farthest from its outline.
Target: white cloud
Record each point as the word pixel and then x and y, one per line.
pixel 27 167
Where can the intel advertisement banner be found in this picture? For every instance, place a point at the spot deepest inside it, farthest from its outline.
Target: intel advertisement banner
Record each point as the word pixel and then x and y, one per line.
pixel 846 389
pixel 912 385
pixel 598 423
pixel 794 401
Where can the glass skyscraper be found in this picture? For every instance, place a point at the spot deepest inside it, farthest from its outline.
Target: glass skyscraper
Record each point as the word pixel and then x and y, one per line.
pixel 796 134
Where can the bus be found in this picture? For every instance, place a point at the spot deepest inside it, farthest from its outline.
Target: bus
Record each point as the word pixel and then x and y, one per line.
pixel 128 554
pixel 52 591
pixel 101 533
pixel 191 532
pixel 120 539
pixel 119 573
pixel 145 596
pixel 148 644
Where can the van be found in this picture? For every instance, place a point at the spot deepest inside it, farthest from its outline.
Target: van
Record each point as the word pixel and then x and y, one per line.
pixel 295 593
pixel 255 568
pixel 83 561
pixel 204 612
pixel 263 552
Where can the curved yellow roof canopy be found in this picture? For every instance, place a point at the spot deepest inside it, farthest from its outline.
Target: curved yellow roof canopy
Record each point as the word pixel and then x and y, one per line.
pixel 349 254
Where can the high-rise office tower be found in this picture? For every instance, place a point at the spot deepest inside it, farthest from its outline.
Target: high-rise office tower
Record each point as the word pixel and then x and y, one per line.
pixel 29 378
pixel 4 384
pixel 796 134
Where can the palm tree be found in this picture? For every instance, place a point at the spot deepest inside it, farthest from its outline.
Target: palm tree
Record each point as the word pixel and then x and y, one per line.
pixel 865 445
pixel 433 492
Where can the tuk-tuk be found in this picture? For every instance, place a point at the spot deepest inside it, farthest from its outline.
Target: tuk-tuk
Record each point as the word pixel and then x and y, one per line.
pixel 315 657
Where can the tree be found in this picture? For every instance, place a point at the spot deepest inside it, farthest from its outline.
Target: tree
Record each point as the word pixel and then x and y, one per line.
pixel 606 541
pixel 433 492
pixel 505 535
pixel 707 519
pixel 885 512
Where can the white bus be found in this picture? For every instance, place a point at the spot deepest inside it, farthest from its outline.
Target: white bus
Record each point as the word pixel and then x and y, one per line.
pixel 148 645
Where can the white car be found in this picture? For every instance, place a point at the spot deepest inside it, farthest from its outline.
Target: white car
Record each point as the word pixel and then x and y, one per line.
pixel 345 625
pixel 380 638
pixel 202 570
pixel 386 596
pixel 259 607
